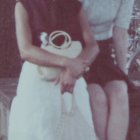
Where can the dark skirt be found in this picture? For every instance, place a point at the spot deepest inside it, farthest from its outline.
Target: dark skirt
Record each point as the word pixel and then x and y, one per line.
pixel 104 69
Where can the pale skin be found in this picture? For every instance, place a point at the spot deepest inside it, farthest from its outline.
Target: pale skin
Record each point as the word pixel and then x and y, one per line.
pixel 72 69
pixel 110 103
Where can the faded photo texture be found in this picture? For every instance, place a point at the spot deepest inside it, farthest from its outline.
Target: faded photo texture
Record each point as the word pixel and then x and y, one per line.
pixel 10 65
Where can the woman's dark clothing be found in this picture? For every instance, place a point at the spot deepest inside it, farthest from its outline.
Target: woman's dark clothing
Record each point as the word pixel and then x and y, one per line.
pixel 50 15
pixel 104 69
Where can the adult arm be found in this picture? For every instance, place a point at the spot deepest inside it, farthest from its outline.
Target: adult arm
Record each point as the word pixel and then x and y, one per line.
pixel 28 51
pixel 91 48
pixel 89 53
pixel 120 34
pixel 35 54
pixel 121 42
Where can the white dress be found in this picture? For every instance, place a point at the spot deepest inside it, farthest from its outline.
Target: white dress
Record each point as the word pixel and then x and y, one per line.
pixel 35 110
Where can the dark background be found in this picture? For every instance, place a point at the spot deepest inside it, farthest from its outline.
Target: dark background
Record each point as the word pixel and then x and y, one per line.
pixel 9 56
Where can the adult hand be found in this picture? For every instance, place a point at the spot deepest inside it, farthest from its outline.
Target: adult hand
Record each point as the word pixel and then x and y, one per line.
pixel 77 66
pixel 66 81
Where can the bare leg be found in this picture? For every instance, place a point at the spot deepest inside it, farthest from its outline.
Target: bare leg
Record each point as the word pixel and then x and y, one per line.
pixel 99 107
pixel 119 110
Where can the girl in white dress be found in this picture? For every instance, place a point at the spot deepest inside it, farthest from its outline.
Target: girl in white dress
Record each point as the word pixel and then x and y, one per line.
pixel 36 109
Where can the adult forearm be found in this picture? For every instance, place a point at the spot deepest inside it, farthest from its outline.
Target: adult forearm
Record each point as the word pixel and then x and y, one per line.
pixel 121 38
pixel 41 57
pixel 91 49
pixel 90 52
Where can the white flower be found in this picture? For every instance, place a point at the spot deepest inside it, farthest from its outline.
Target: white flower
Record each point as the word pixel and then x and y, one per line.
pixel 44 38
